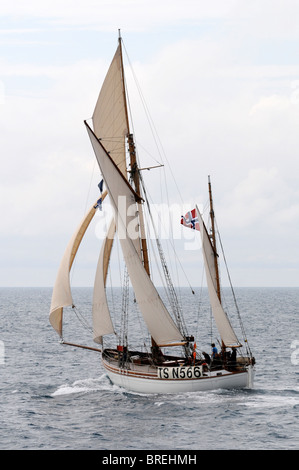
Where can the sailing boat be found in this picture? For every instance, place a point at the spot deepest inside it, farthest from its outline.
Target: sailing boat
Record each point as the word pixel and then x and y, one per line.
pixel 153 369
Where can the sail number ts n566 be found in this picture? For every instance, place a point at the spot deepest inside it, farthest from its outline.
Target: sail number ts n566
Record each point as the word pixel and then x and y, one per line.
pixel 183 372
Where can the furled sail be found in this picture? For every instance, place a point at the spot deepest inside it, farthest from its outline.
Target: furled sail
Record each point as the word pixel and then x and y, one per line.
pixel 109 117
pixel 224 327
pixel 123 199
pixel 62 296
pixel 102 323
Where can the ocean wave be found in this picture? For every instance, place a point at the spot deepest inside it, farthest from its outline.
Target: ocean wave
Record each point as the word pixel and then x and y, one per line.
pixel 83 386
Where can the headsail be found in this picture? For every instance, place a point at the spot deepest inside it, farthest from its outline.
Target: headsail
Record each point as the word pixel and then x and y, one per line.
pixel 158 321
pixel 102 323
pixel 62 296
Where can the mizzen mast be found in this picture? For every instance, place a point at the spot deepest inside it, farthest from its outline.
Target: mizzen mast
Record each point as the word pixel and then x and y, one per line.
pixel 213 238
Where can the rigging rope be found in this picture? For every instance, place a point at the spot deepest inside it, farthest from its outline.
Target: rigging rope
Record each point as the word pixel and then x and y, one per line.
pixel 81 318
pixel 124 308
pixel 173 297
pixel 152 127
pixel 170 241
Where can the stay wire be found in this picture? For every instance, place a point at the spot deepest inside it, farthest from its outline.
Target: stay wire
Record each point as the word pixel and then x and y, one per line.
pixel 152 127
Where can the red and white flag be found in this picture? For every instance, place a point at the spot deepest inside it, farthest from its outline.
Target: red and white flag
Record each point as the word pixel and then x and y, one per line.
pixel 190 220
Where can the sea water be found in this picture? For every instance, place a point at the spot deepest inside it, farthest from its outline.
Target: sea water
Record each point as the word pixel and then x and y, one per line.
pixel 55 396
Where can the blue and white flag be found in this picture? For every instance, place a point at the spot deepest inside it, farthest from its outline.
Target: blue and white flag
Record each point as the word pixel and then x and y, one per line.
pixel 99 204
pixel 100 185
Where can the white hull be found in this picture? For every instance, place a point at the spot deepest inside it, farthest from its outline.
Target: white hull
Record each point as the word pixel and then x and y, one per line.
pixel 151 383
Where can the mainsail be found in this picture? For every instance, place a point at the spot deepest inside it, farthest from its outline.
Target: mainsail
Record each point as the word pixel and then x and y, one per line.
pixel 123 199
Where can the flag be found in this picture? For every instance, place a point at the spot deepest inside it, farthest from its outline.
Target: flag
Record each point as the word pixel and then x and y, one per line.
pixel 99 204
pixel 190 220
pixel 99 201
pixel 100 186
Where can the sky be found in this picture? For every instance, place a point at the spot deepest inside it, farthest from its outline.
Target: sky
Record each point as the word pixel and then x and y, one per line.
pixel 221 81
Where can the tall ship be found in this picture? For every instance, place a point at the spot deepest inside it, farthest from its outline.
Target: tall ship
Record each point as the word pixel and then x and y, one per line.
pixel 171 361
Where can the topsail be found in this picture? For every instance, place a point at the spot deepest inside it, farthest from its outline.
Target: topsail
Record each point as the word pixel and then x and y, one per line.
pixel 109 117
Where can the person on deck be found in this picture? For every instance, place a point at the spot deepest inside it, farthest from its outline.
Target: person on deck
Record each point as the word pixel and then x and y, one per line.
pixel 214 351
pixel 207 357
pixel 233 357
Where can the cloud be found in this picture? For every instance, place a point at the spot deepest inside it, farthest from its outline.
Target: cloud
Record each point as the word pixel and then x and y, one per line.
pixel 105 14
pixel 47 162
pixel 219 106
pixel 262 198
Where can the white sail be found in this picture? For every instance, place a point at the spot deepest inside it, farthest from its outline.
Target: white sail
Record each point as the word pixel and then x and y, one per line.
pixel 102 323
pixel 123 198
pixel 224 327
pixel 109 117
pixel 62 295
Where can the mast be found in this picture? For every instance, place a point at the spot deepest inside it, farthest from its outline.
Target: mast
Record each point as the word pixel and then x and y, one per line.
pixel 213 237
pixel 134 168
pixel 136 179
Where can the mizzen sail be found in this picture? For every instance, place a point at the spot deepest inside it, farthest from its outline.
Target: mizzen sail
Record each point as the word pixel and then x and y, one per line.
pixel 224 327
